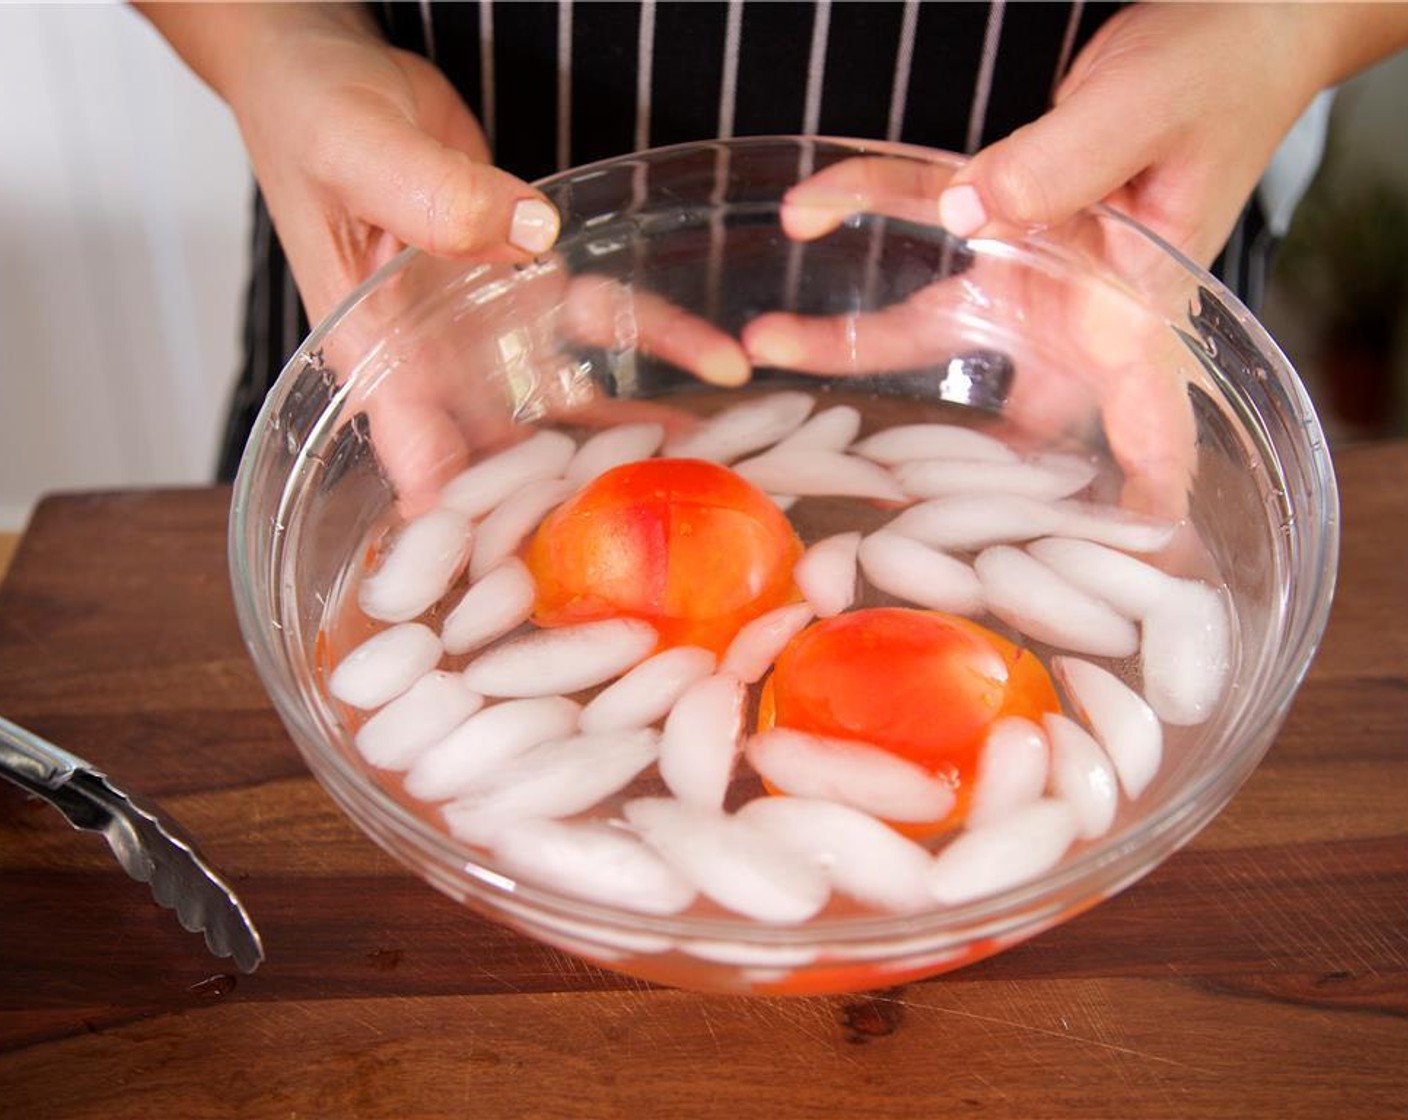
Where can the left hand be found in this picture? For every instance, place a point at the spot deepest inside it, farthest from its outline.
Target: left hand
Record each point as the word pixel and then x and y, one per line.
pixel 1170 115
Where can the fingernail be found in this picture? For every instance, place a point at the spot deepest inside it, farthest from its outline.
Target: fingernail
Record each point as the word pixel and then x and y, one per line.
pixel 724 366
pixel 768 347
pixel 535 226
pixel 961 210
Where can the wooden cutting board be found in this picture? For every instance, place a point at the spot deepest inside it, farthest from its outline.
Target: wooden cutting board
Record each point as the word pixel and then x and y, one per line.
pixel 1263 971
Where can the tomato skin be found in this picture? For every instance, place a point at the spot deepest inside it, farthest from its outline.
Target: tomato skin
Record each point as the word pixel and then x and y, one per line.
pixel 922 685
pixel 687 545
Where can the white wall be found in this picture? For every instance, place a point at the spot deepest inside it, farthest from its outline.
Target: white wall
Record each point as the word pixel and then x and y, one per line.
pixel 123 224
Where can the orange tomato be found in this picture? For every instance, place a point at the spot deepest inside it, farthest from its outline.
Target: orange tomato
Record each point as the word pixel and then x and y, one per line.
pixel 689 546
pixel 922 685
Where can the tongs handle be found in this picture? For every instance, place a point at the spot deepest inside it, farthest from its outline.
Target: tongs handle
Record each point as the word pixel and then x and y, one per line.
pixel 25 755
pixel 149 848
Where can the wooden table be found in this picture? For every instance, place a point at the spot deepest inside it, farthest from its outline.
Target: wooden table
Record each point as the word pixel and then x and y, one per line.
pixel 1261 972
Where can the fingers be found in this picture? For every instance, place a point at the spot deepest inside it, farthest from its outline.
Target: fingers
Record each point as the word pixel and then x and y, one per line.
pixel 1094 142
pixel 430 194
pixel 888 185
pixel 601 312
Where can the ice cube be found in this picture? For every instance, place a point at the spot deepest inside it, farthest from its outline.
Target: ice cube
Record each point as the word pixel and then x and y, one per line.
pixel 807 473
pixel 1187 653
pixel 421 716
pixel 1004 853
pixel 826 574
pixel 474 492
pixel 1119 718
pixel 757 644
pixel 558 778
pixel 1082 776
pixel 852 773
pixel 1045 476
pixel 496 603
pixel 649 691
pixel 614 447
pixel 960 522
pixel 903 567
pixel 906 442
pixel 701 740
pixel 1026 594
pixel 1118 528
pixel 479 747
pixel 861 857
pixel 743 428
pixel 385 665
pixel 1131 586
pixel 736 864
pixel 830 430
pixel 424 559
pixel 593 861
pixel 503 530
pixel 1012 769
pixel 567 659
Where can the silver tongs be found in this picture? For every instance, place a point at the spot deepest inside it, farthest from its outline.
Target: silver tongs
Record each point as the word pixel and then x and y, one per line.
pixel 150 850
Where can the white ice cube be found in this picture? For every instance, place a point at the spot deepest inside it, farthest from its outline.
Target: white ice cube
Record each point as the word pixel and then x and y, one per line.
pixel 933 441
pixel 592 861
pixel 736 864
pixel 483 486
pixel 1005 853
pixel 903 567
pixel 563 660
pixel 826 574
pixel 558 778
pixel 758 642
pixel 743 429
pixel 649 691
pixel 424 559
pixel 477 749
pixel 421 716
pixel 1187 653
pixel 1045 476
pixel 960 522
pixel 809 473
pixel 1118 528
pixel 1012 769
pixel 852 773
pixel 499 534
pixel 832 429
pixel 385 665
pixel 496 603
pixel 1121 721
pixel 1133 587
pixel 614 447
pixel 1082 776
pixel 861 857
pixel 1026 594
pixel 700 744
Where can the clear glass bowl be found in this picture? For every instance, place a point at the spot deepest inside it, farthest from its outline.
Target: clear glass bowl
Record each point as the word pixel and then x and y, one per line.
pixel 1074 333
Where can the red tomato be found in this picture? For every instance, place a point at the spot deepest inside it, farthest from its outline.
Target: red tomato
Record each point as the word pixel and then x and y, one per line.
pixel 922 685
pixel 686 545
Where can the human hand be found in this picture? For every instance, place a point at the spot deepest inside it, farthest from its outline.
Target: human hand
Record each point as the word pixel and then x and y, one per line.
pixel 1087 354
pixel 1170 115
pixel 361 150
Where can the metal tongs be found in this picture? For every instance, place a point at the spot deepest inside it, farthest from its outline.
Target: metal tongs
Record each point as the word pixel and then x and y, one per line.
pixel 150 850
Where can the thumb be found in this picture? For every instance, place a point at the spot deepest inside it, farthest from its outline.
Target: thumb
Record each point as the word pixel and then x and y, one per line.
pixel 1087 147
pixel 393 175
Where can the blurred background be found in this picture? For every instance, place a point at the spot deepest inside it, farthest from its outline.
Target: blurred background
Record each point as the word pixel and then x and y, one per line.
pixel 124 198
